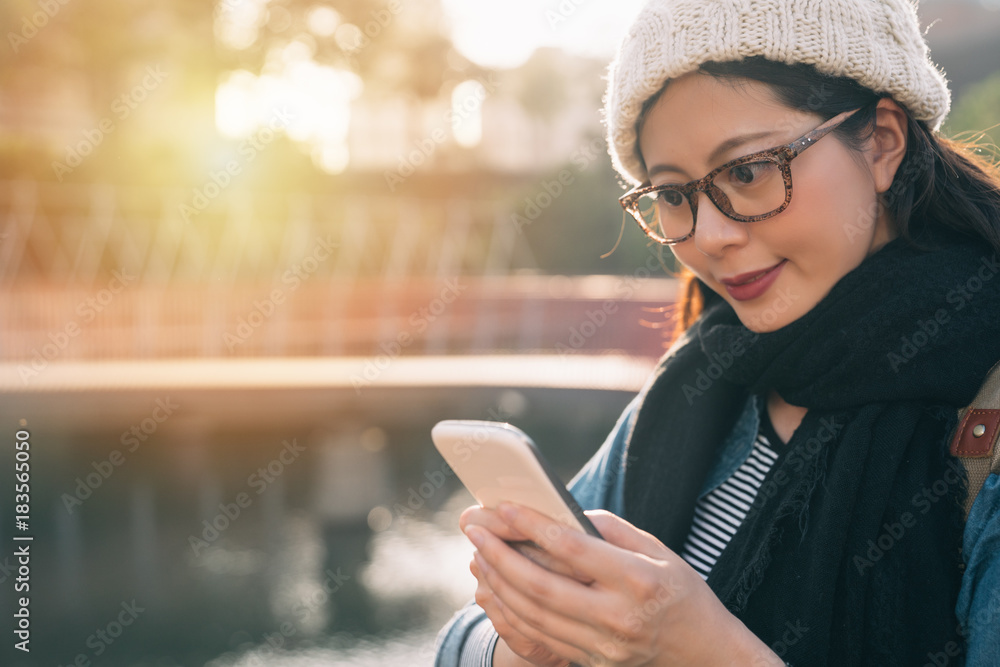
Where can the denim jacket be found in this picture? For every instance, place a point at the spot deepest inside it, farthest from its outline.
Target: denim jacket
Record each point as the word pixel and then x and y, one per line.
pixel 468 638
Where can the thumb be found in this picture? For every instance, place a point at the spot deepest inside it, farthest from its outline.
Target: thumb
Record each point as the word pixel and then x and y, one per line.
pixel 621 533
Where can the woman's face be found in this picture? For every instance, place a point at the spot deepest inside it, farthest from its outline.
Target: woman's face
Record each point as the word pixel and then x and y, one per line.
pixel 771 271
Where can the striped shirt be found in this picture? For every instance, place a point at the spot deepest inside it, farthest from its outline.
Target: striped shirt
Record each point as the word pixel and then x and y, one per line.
pixel 482 639
pixel 720 512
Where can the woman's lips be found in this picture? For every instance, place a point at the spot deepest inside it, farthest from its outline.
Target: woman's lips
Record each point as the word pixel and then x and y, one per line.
pixel 751 285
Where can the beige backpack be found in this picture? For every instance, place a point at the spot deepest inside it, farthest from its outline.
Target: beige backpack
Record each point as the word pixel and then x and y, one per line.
pixel 976 439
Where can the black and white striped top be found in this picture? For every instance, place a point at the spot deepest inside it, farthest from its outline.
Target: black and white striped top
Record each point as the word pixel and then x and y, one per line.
pixel 720 512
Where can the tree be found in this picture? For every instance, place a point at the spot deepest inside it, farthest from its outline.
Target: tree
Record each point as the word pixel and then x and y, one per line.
pixel 978 112
pixel 73 63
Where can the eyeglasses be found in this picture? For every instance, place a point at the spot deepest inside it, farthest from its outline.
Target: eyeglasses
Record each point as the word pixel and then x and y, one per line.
pixel 746 189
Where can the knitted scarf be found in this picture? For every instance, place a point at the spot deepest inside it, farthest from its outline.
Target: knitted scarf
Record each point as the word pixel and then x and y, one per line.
pixel 850 553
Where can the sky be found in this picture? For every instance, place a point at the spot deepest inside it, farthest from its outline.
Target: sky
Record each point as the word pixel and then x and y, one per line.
pixel 504 34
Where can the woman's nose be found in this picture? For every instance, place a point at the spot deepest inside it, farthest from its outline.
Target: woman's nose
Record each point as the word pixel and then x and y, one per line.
pixel 714 231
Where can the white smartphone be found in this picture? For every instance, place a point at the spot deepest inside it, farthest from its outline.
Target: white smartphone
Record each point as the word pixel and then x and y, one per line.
pixel 497 462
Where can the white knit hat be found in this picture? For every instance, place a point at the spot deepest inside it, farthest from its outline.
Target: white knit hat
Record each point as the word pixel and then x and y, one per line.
pixel 875 42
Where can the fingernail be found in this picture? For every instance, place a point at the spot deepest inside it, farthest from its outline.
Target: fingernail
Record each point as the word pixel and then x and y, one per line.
pixel 475 534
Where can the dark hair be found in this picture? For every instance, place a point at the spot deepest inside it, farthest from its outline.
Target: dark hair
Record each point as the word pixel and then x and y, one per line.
pixel 940 182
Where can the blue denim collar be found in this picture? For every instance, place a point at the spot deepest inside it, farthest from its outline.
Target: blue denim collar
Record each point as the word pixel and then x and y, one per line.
pixel 737 447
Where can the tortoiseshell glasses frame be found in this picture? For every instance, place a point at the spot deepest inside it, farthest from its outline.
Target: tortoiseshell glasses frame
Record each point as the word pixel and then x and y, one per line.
pixel 781 156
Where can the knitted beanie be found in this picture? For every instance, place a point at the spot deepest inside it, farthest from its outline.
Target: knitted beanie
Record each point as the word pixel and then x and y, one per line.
pixel 875 42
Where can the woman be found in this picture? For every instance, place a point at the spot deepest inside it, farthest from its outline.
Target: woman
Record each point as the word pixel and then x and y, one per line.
pixel 781 491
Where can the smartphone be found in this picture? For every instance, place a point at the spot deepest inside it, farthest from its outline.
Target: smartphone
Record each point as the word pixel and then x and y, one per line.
pixel 499 462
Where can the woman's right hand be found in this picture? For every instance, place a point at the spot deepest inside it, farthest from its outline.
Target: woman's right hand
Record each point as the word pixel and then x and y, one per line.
pixel 512 643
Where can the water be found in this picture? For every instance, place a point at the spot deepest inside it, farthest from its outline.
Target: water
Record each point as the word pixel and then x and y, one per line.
pixel 350 554
pixel 417 577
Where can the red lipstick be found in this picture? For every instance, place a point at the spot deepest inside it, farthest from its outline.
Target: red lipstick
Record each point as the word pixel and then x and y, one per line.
pixel 752 284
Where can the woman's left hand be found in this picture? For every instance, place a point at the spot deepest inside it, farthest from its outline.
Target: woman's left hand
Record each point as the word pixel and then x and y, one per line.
pixel 644 604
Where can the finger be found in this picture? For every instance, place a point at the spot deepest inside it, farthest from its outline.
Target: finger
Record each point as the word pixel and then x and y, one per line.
pixel 489 519
pixel 485 597
pixel 537 593
pixel 545 644
pixel 600 630
pixel 593 558
pixel 534 654
pixel 519 626
pixel 543 584
pixel 535 646
pixel 621 533
pixel 493 609
pixel 474 567
pixel 478 515
pixel 531 551
pixel 578 642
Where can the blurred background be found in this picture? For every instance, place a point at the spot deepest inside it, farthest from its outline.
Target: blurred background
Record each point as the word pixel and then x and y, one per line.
pixel 252 250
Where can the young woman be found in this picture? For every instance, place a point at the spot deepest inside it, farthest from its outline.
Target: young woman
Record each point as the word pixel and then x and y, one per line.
pixel 782 490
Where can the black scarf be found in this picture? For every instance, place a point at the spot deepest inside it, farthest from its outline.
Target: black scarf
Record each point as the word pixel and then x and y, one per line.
pixel 844 558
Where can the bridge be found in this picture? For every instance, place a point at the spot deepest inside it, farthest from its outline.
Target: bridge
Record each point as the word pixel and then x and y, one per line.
pixel 92 275
pixel 161 364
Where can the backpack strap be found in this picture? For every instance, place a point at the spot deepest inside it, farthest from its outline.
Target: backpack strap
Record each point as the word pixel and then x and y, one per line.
pixel 976 442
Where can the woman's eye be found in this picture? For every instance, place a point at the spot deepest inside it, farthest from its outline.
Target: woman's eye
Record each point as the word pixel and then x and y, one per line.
pixel 671 198
pixel 745 174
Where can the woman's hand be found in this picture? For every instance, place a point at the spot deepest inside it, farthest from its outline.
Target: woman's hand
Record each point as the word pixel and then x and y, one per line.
pixel 515 643
pixel 628 600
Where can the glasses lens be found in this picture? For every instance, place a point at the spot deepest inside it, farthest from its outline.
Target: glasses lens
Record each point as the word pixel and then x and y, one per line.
pixel 666 213
pixel 753 188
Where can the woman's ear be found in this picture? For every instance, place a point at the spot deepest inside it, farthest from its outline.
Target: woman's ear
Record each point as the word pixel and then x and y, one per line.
pixel 888 143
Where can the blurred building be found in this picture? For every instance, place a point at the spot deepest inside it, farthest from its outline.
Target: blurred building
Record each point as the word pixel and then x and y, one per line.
pixel 526 120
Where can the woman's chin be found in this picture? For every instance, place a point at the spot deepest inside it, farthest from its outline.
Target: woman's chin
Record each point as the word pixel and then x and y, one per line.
pixel 776 315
